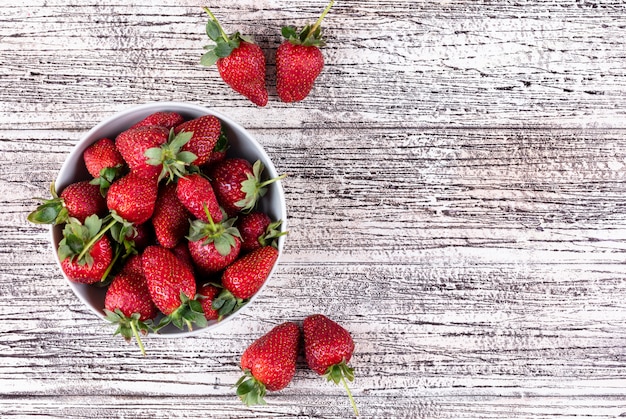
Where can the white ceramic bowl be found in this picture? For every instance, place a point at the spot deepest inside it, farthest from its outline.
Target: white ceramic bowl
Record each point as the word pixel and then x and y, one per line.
pixel 241 144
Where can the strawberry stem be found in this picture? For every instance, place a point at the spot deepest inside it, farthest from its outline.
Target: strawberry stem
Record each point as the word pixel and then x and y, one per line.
pixel 94 239
pixel 352 402
pixel 270 181
pixel 321 18
pixel 212 16
pixel 137 338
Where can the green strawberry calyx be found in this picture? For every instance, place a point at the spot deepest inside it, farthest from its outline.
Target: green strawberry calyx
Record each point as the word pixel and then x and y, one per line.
pixel 339 373
pixel 175 162
pixel 189 312
pixel 50 211
pixel 310 35
pixel 226 303
pixel 222 235
pixel 254 188
pixel 271 234
pixel 106 178
pixel 128 327
pixel 250 390
pixel 224 43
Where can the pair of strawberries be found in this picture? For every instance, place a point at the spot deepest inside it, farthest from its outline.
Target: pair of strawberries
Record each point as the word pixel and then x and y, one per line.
pixel 270 362
pixel 241 63
pixel 171 219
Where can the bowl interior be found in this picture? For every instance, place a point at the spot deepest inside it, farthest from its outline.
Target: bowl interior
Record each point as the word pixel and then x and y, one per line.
pixel 241 144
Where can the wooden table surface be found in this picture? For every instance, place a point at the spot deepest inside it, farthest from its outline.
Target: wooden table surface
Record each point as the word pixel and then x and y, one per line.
pixel 455 192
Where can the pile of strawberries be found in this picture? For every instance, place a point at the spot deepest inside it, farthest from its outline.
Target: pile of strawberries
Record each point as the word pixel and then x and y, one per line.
pixel 168 222
pixel 241 62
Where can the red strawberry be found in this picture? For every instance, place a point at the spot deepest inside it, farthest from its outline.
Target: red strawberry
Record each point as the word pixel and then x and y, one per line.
pixel 257 229
pixel 213 246
pixel 102 155
pixel 128 304
pixel 133 144
pixel 244 277
pixel 206 132
pixel 238 185
pixel 172 286
pixel 141 236
pixel 162 119
pixel 240 62
pixel 170 218
pixel 195 193
pixel 181 251
pixel 84 251
pixel 208 293
pixel 219 151
pixel 133 265
pixel 299 60
pixel 328 348
pixel 78 200
pixel 269 363
pixel 133 198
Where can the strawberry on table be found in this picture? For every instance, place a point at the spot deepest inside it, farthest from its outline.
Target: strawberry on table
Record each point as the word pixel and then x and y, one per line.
pixel 128 304
pixel 133 198
pixel 213 246
pixel 206 132
pixel 240 62
pixel 78 200
pixel 170 218
pixel 162 119
pixel 196 194
pixel 299 60
pixel 269 363
pixel 244 277
pixel 328 348
pixel 238 184
pixel 86 255
pixel 172 287
pixel 133 144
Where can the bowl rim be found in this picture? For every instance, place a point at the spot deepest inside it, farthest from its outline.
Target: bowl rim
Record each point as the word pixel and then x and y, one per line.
pixel 184 107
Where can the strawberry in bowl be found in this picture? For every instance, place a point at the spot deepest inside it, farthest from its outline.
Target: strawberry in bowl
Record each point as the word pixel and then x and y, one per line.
pixel 139 183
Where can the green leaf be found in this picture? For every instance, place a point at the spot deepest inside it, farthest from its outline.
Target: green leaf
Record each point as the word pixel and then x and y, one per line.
pixel 213 30
pixel 289 32
pixel 180 140
pixel 209 58
pixel 223 48
pixel 187 157
pixel 154 156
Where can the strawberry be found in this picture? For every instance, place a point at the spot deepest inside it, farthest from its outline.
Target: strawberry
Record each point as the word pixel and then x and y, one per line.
pixel 141 236
pixel 174 162
pixel 219 151
pixel 240 62
pixel 196 193
pixel 170 218
pixel 86 255
pixel 78 200
pixel 238 185
pixel 133 198
pixel 269 363
pixel 172 287
pixel 104 163
pixel 328 348
pixel 257 229
pixel 162 119
pixel 207 293
pixel 206 132
pixel 133 144
pixel 133 265
pixel 181 251
pixel 243 278
pixel 213 246
pixel 299 60
pixel 128 304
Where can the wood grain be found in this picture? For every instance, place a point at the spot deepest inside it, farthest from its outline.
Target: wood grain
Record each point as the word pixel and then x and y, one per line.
pixel 455 199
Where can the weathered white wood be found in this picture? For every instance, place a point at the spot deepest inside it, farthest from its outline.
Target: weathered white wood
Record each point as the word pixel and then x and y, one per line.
pixel 437 208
